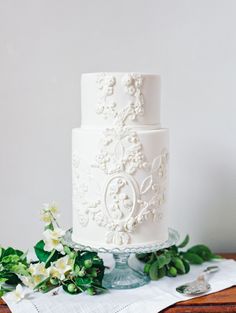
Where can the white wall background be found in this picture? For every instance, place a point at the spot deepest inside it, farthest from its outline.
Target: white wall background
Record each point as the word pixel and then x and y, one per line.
pixel 46 45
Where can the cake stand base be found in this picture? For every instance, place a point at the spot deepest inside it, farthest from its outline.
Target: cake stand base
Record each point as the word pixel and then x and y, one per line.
pixel 122 276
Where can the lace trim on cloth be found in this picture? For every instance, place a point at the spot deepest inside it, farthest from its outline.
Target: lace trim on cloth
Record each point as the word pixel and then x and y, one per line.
pixel 35 306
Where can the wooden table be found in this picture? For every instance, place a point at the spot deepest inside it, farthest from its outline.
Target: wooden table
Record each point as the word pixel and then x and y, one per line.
pixel 219 302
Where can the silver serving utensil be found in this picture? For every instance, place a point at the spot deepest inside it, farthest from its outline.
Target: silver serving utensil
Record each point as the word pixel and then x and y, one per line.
pixel 200 285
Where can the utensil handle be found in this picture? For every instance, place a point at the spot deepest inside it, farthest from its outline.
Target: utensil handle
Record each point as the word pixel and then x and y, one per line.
pixel 205 274
pixel 211 269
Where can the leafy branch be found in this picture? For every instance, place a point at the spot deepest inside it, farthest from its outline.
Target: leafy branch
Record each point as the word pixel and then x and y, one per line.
pixel 173 261
pixel 13 263
pixel 57 264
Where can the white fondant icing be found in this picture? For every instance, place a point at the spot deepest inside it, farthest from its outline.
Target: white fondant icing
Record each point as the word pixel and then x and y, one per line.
pixel 120 172
pixel 105 94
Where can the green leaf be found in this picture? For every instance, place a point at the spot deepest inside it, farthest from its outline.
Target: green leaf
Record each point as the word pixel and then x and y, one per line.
pixel 153 272
pixel 186 266
pixel 84 256
pixel 12 278
pixel 145 257
pixel 20 269
pixel 147 267
pixel 173 249
pixel 49 226
pixel 99 288
pixel 161 272
pixel 163 260
pixel 9 251
pixel 203 251
pixel 40 253
pixel 193 258
pixel 81 281
pixel 168 256
pixel 184 242
pixel 1 252
pixel 10 259
pixel 179 265
pixel 215 256
pixel 67 250
pixel 20 253
pixel 23 257
pixel 46 256
pixel 7 289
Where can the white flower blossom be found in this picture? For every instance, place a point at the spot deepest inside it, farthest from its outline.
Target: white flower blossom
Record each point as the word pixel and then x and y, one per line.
pixel 38 269
pixel 53 239
pixel 32 281
pixel 38 273
pixel 28 281
pixel 17 295
pixel 46 217
pixel 49 213
pixel 51 207
pixel 61 267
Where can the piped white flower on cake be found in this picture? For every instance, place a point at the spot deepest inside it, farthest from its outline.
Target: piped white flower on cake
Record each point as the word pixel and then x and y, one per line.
pixel 106 106
pixel 121 157
pixel 117 237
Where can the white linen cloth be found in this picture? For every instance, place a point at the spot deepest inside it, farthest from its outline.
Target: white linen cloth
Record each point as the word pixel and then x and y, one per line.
pixel 151 298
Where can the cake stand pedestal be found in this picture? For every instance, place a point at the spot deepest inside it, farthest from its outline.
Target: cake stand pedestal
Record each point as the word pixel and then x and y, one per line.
pixel 122 276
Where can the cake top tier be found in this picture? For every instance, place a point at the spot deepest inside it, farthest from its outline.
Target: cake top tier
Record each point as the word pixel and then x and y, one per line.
pixel 122 98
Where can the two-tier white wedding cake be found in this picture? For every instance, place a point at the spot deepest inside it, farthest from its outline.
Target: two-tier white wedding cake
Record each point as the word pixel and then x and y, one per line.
pixel 120 162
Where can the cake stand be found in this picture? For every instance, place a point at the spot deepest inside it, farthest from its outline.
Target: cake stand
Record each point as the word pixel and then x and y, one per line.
pixel 122 276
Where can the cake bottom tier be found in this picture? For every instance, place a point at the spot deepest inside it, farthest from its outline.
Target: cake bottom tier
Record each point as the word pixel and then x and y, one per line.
pixel 120 184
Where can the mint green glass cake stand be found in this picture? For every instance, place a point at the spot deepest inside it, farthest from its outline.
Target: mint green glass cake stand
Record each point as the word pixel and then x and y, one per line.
pixel 122 276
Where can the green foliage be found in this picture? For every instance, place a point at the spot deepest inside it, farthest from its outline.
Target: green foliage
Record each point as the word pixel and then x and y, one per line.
pixel 153 271
pixel 193 258
pixel 178 264
pixel 202 251
pixel 85 269
pixel 184 242
pixel 88 272
pixel 12 263
pixel 172 261
pixel 86 275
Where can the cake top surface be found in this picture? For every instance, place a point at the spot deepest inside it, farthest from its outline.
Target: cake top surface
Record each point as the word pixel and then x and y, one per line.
pixel 120 73
pixel 107 98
